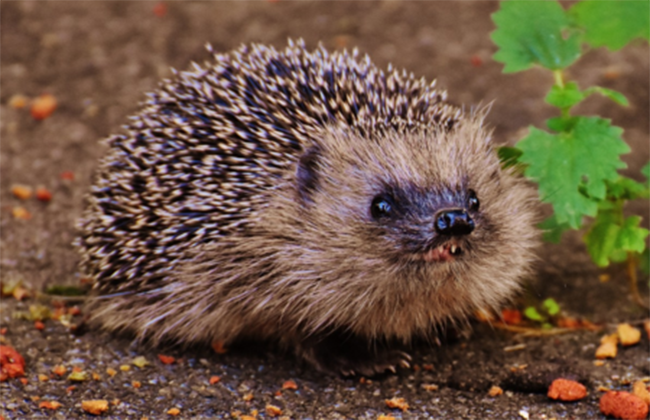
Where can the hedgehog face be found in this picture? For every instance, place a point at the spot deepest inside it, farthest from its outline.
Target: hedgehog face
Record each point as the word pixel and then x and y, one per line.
pixel 431 225
pixel 426 219
pixel 407 198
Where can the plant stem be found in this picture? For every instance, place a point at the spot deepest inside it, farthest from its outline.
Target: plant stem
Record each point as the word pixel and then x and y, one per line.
pixel 559 82
pixel 559 78
pixel 532 331
pixel 631 275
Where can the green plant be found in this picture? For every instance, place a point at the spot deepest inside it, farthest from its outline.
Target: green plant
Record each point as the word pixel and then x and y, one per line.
pixel 549 309
pixel 576 163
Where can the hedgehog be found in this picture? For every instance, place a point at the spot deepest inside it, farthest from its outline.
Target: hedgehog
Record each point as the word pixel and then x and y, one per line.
pixel 304 197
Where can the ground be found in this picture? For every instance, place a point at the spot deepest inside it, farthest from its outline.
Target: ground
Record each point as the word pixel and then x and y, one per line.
pixel 98 58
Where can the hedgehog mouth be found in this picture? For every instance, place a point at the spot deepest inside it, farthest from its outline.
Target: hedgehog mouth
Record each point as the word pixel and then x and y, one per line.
pixel 445 252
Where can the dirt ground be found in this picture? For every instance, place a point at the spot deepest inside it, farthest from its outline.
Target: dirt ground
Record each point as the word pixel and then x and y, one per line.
pixel 99 58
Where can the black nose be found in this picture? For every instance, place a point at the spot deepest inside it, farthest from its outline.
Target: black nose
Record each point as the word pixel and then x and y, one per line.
pixel 454 222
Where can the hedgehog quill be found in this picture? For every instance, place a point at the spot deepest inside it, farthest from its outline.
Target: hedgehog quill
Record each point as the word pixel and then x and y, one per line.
pixel 304 197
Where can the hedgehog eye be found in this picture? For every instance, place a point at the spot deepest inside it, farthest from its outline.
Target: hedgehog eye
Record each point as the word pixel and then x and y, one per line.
pixel 472 201
pixel 382 206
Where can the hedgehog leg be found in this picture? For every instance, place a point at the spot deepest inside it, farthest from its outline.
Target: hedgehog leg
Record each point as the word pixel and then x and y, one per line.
pixel 351 355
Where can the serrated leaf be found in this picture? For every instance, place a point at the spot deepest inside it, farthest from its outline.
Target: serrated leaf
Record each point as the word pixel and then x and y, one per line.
pixel 612 23
pixel 532 314
pixel 552 230
pixel 565 97
pixel 551 306
pixel 615 96
pixel 601 240
pixel 534 32
pixel 608 240
pixel 632 236
pixel 602 144
pixel 625 188
pixel 561 164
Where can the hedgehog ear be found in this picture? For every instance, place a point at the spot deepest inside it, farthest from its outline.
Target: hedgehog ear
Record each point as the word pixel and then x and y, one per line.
pixel 307 174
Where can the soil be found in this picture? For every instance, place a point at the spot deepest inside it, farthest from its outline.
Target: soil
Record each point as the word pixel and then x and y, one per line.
pixel 99 58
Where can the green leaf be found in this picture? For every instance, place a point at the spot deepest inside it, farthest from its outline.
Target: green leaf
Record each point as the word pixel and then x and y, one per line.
pixel 63 290
pixel 565 97
pixel 612 23
pixel 532 314
pixel 609 205
pixel 608 239
pixel 508 156
pixel 551 306
pixel 646 170
pixel 559 124
pixel 552 230
pixel 632 236
pixel 602 146
pixel 562 163
pixel 625 188
pixel 615 96
pixel 618 256
pixel 534 32
pixel 601 238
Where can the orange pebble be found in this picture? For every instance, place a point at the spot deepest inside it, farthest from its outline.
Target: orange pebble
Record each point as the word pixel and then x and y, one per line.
pixel 43 194
pixel 59 370
pixel 22 192
pixel 290 384
pixel 566 390
pixel 160 9
pixel 95 407
pixel 167 360
pixel 396 402
pixel 43 106
pixel 50 405
pixel 18 101
pixel 21 213
pixel 273 410
pixel 623 405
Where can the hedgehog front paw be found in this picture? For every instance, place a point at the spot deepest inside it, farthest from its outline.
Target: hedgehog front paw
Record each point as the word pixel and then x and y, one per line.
pixel 353 357
pixel 376 364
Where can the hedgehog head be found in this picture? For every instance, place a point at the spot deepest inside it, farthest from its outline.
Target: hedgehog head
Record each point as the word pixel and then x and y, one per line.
pixel 408 217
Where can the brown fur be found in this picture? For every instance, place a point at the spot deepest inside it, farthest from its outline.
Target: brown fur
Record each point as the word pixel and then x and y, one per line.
pixel 302 270
pixel 239 205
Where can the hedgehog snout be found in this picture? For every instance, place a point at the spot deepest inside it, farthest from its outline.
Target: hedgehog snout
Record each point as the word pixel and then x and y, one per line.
pixel 453 222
